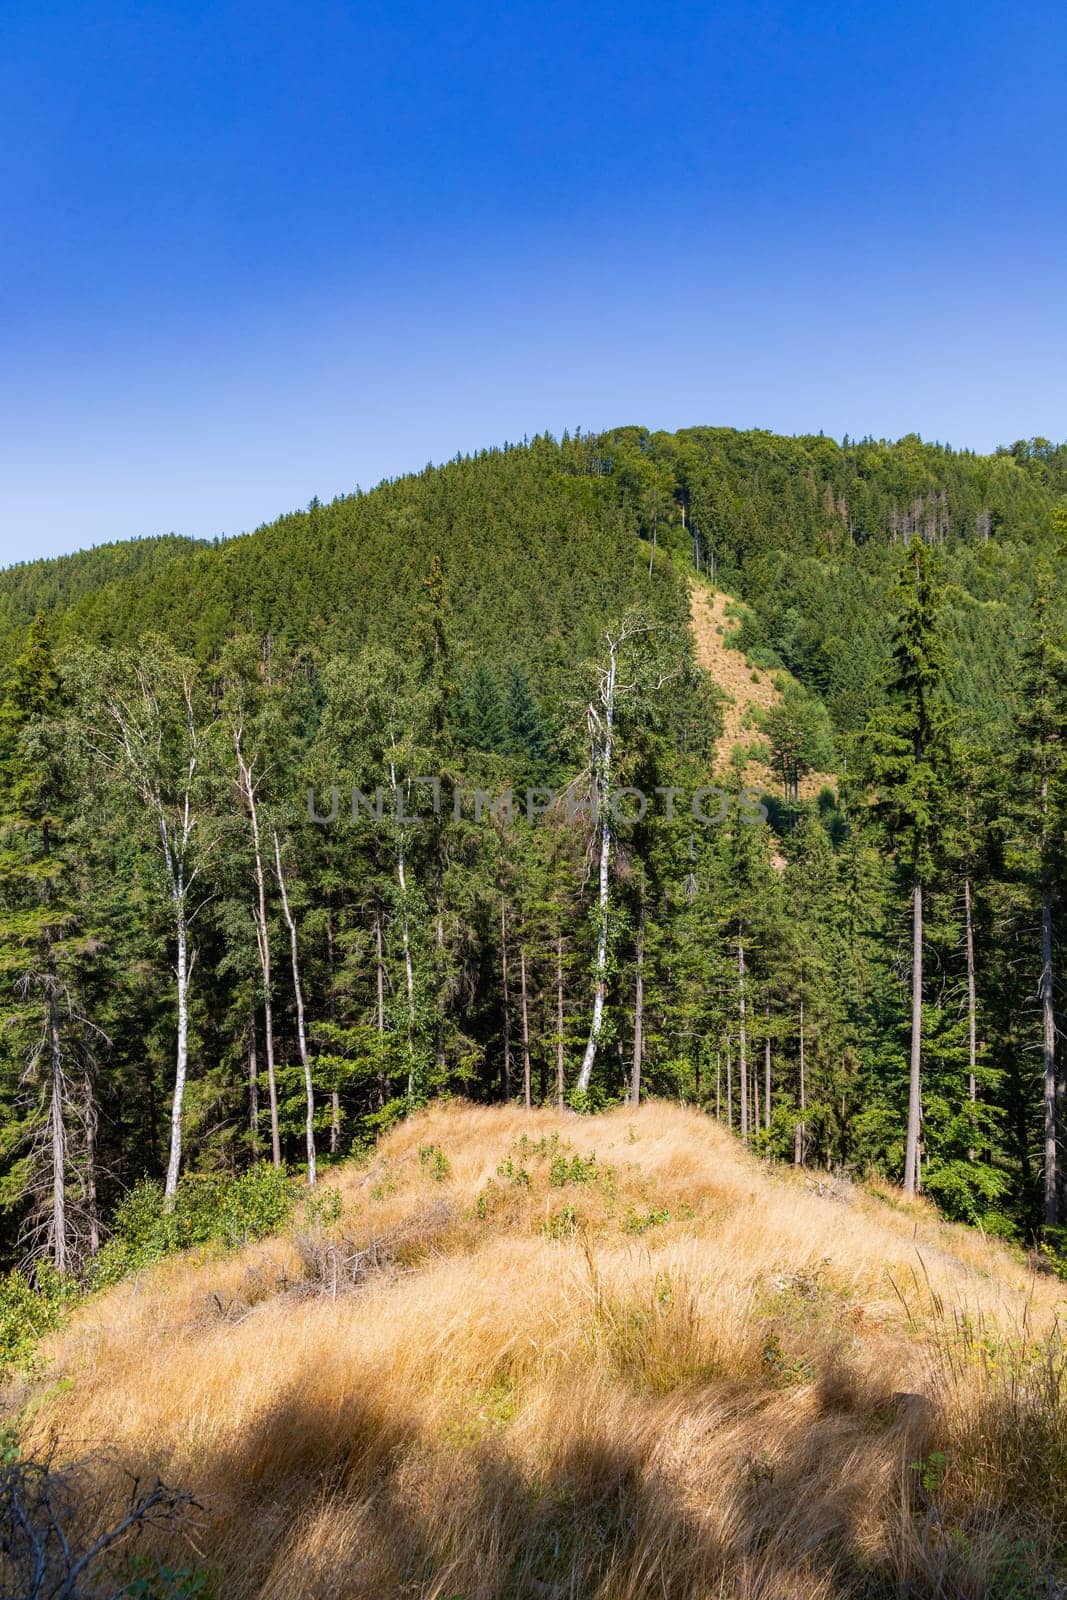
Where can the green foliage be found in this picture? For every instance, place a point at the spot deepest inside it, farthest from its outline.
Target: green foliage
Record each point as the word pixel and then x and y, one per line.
pixel 433 1158
pixel 641 1221
pixel 30 1310
pixel 153 1580
pixel 208 1210
pixel 517 1176
pixel 907 598
pixel 930 1471
pixel 579 1169
pixel 561 1224
pixel 322 1207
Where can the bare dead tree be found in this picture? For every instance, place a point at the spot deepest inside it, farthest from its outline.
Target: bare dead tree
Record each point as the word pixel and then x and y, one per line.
pixel 57 1540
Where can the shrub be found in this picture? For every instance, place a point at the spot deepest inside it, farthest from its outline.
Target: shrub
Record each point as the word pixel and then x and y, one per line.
pixel 30 1310
pixel 638 1222
pixel 206 1210
pixel 578 1169
pixel 433 1157
pixel 562 1224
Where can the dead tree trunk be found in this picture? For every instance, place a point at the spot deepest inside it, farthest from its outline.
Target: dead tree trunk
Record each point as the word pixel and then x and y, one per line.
pixel 506 998
pixel 527 1086
pixel 742 1038
pixel 972 1016
pixel 1048 1051
pixel 301 1032
pixel 247 786
pixel 911 1155
pixel 409 970
pixel 800 1133
pixel 561 1078
pixel 639 1007
pixel 91 1121
pixel 253 1088
pixel 379 1008
pixel 57 1128
pixel 601 732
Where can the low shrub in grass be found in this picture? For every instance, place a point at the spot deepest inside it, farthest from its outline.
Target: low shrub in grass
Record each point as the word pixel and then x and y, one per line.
pixel 28 1310
pixel 207 1210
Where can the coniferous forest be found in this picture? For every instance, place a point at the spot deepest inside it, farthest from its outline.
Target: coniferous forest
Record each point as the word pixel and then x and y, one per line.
pixel 236 931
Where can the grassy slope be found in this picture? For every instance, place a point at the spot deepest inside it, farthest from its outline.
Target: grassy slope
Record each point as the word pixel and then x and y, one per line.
pixel 725 1403
pixel 749 690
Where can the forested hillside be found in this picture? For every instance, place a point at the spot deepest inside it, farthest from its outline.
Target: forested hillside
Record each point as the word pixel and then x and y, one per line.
pixel 203 970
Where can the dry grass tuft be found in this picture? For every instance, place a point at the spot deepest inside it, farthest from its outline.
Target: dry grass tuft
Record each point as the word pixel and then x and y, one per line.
pixel 610 1358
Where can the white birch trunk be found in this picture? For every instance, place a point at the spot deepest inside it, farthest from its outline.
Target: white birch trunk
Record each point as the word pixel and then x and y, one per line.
pixel 248 790
pixel 181 1064
pixel 972 1012
pixel 602 765
pixel 800 1136
pixel 911 1154
pixel 639 1009
pixel 301 1032
pixel 742 1039
pixel 527 1085
pixel 409 971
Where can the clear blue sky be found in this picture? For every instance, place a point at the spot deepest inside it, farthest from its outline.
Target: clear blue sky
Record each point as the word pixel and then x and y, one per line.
pixel 256 252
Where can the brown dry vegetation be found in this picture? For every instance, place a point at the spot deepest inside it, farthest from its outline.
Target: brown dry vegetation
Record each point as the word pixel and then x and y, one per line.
pixel 748 689
pixel 676 1373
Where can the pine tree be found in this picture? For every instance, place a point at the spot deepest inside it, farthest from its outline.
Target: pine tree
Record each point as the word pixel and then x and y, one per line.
pixel 1042 763
pixel 525 734
pixel 41 942
pixel 908 750
pixel 479 714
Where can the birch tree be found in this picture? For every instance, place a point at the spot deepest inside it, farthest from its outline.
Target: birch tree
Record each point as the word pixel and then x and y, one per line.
pixel 372 737
pixel 601 713
pixel 151 734
pixel 301 1029
pixel 244 710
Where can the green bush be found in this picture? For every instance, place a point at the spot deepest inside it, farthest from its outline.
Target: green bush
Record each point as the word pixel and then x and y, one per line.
pixel 578 1169
pixel 207 1210
pixel 562 1224
pixel 30 1310
pixel 154 1581
pixel 432 1156
pixel 638 1222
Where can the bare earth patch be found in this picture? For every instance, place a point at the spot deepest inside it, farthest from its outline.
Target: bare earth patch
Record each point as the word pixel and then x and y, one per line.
pixel 750 689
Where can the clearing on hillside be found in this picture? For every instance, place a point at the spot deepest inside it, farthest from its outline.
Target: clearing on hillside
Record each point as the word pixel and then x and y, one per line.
pixel 749 689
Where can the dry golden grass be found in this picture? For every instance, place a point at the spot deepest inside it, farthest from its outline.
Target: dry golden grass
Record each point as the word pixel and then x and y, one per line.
pixel 685 1376
pixel 749 689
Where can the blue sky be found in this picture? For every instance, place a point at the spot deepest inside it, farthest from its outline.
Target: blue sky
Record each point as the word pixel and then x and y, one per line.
pixel 253 253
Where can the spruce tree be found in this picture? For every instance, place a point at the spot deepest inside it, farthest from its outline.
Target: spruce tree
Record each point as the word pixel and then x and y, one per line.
pixel 1041 761
pixel 907 744
pixel 41 932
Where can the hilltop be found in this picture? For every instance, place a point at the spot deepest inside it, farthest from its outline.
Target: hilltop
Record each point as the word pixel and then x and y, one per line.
pixel 534 1355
